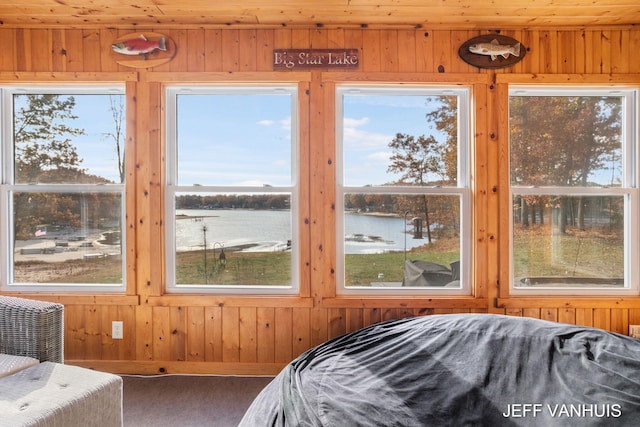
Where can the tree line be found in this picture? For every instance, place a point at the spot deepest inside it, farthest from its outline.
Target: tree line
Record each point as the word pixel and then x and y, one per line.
pixel 565 141
pixel 233 201
pixel 559 141
pixel 554 141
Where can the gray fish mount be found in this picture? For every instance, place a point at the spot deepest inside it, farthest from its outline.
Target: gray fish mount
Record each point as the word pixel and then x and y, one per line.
pixel 492 51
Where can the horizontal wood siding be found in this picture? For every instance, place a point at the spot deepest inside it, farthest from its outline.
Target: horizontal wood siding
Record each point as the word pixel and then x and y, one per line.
pixel 258 335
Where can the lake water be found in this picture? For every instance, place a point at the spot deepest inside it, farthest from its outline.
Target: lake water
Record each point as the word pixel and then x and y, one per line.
pixel 269 230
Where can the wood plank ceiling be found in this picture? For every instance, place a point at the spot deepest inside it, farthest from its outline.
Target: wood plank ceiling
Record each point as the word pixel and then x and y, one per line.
pixel 327 13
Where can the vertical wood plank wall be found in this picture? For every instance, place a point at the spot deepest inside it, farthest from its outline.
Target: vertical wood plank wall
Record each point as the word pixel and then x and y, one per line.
pixel 258 335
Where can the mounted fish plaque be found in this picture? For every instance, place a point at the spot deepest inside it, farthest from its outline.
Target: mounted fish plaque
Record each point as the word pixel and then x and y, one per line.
pixel 143 50
pixel 492 51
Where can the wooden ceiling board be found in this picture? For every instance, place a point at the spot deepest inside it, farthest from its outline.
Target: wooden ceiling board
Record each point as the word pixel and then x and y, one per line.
pixel 329 13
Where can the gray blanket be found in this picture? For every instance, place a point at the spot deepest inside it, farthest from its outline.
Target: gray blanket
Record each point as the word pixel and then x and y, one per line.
pixel 459 370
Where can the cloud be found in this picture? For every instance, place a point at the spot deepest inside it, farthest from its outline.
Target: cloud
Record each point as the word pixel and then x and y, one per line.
pixel 354 123
pixel 284 123
pixel 358 139
pixel 380 156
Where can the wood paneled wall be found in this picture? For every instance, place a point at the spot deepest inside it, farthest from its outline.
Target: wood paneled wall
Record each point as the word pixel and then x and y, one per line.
pixel 258 335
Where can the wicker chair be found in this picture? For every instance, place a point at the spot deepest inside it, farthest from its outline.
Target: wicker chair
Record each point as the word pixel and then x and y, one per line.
pixel 32 328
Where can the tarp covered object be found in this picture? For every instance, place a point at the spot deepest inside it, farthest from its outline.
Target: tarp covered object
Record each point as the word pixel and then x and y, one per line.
pixel 425 273
pixel 459 370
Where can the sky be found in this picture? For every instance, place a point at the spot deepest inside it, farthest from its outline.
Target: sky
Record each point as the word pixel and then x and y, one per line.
pixel 370 123
pixel 245 140
pixel 96 147
pixel 234 140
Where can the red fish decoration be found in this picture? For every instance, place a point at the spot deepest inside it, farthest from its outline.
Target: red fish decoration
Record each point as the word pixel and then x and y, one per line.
pixel 140 46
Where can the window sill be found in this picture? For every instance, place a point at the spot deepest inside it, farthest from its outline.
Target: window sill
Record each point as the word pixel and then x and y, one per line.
pixel 594 301
pixel 210 300
pixel 412 301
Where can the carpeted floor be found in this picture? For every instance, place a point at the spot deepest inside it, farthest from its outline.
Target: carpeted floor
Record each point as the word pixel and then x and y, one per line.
pixel 186 400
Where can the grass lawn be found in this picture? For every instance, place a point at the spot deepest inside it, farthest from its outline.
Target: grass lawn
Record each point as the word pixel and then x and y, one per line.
pixel 241 268
pixel 99 270
pixel 537 253
pixel 364 269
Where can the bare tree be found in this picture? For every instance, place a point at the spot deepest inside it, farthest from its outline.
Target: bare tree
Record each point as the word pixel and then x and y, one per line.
pixel 116 105
pixel 420 162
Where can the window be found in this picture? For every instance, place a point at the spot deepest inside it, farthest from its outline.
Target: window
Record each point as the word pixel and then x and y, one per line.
pixel 573 173
pixel 232 189
pixel 62 204
pixel 403 190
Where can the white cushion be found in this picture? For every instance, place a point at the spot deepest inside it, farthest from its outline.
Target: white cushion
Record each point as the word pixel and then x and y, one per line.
pixel 55 395
pixel 10 364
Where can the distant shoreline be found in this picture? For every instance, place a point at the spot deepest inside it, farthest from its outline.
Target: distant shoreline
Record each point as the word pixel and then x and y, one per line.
pixel 184 216
pixel 382 214
pixel 233 248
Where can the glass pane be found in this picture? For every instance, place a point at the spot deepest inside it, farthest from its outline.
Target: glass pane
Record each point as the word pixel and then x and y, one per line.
pixel 69 139
pixel 566 141
pixel 402 240
pixel 67 238
pixel 233 239
pixel 238 140
pixel 400 139
pixel 568 241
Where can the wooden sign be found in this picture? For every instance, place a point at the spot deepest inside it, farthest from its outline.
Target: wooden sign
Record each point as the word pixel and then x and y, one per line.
pixel 492 51
pixel 305 59
pixel 143 50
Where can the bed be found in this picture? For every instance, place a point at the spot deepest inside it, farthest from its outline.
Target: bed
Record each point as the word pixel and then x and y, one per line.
pixel 458 370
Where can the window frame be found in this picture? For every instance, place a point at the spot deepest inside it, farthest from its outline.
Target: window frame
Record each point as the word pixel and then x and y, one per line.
pixel 463 188
pixel 628 188
pixel 8 187
pixel 171 91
